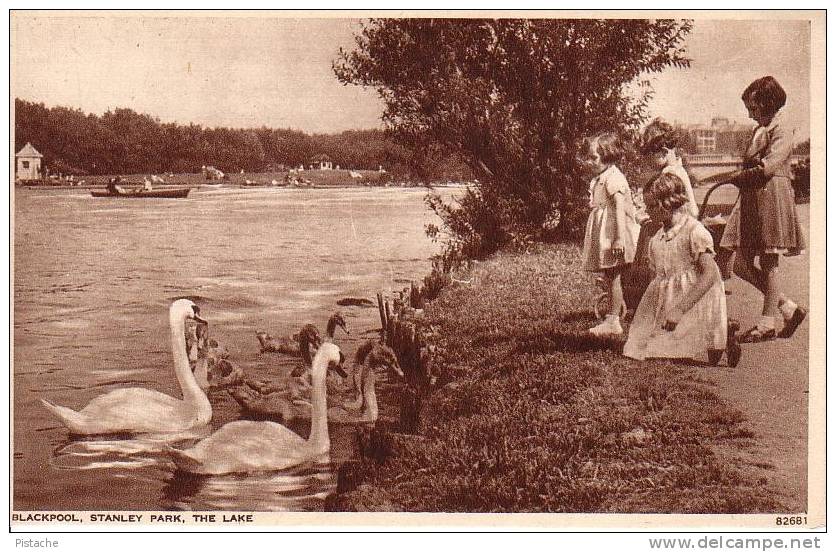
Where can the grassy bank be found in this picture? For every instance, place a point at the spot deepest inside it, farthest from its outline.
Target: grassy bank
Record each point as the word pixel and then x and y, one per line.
pixel 534 415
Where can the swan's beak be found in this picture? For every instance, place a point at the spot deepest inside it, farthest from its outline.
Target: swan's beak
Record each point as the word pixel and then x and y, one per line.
pixel 196 315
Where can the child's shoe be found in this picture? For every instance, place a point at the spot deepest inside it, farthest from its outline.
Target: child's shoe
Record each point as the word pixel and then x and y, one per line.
pixel 764 330
pixel 793 317
pixel 610 326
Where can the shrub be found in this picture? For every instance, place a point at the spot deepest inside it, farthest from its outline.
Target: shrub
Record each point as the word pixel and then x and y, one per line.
pixel 514 99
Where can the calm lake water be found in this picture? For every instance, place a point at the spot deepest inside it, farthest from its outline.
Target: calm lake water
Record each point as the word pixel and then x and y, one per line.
pixel 92 285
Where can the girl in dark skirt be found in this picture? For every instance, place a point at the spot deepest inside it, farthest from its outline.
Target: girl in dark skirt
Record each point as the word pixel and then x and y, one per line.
pixel 765 225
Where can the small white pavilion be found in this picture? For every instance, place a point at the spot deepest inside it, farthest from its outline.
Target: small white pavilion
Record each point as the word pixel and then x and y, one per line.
pixel 28 163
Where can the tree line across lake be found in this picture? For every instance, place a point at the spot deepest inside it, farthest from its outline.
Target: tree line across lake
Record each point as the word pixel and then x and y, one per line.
pixel 123 141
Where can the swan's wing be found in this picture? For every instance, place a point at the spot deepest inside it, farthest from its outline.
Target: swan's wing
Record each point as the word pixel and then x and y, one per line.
pixel 134 409
pixel 248 446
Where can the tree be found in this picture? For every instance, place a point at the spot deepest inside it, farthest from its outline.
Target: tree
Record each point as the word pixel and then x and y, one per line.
pixel 514 98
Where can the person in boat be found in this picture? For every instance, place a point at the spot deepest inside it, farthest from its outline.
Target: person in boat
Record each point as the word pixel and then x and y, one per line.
pixel 114 187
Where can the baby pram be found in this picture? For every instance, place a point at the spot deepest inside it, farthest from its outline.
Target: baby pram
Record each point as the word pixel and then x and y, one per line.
pixel 636 278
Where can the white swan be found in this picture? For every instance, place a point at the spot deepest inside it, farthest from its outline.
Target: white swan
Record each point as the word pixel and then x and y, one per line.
pixel 246 446
pixel 138 410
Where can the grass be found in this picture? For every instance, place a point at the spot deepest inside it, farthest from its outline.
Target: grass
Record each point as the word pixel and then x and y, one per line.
pixel 534 415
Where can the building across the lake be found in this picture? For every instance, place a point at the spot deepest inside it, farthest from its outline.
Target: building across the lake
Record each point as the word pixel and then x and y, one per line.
pixel 322 161
pixel 28 163
pixel 717 147
pixel 722 136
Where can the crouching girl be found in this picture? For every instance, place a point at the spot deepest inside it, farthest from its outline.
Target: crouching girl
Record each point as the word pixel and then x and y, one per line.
pixel 682 313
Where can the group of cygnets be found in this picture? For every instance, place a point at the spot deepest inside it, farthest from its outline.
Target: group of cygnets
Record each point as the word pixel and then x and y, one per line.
pixel 241 446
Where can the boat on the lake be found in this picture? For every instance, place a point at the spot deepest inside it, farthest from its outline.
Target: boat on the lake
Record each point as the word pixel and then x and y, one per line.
pixel 171 193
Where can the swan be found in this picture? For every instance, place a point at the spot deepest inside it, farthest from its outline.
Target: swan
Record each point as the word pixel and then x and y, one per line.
pixel 288 404
pixel 246 446
pixel 267 401
pixel 209 360
pixel 371 353
pixel 374 355
pixel 299 344
pixel 138 410
pixel 212 372
pixel 364 410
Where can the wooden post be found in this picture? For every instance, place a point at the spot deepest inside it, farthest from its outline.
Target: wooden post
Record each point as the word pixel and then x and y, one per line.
pixel 383 322
pixel 391 330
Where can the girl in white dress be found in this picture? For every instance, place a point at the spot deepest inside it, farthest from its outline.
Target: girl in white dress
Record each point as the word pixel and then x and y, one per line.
pixel 609 244
pixel 682 313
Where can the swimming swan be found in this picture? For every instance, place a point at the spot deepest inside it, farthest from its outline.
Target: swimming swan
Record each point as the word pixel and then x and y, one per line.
pixel 288 405
pixel 364 410
pixel 210 361
pixel 138 410
pixel 299 344
pixel 376 356
pixel 246 446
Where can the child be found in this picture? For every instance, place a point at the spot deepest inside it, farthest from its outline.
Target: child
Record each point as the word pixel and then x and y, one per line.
pixel 659 146
pixel 659 143
pixel 609 243
pixel 682 314
pixel 765 224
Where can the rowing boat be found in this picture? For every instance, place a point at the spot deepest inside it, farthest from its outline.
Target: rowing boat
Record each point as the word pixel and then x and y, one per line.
pixel 170 193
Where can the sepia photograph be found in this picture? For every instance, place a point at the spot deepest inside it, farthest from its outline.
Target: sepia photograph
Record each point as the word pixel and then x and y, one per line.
pixel 276 268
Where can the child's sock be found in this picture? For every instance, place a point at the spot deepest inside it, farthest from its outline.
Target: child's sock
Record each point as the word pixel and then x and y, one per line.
pixel 614 321
pixel 787 308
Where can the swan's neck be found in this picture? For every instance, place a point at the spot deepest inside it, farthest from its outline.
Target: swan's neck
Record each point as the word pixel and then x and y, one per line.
pixel 369 410
pixel 201 373
pixel 193 396
pixel 319 439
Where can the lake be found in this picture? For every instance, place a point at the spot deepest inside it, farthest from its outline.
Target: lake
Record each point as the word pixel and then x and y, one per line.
pixel 94 278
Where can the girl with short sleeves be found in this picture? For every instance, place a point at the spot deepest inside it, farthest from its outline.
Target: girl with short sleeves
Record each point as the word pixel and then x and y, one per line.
pixel 682 314
pixel 611 229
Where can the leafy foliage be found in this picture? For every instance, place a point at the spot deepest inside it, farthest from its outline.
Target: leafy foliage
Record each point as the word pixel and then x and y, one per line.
pixel 514 98
pixel 125 142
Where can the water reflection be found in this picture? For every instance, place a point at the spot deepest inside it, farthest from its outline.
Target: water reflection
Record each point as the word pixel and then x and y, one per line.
pixel 303 488
pixel 143 459
pixel 122 451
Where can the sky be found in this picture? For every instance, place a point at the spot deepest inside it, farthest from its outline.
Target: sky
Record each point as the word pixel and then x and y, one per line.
pixel 251 71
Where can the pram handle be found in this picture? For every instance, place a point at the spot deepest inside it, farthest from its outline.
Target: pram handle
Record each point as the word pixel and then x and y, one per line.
pixel 708 196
